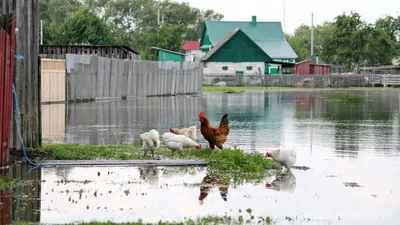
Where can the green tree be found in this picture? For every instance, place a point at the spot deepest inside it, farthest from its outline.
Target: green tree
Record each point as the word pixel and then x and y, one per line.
pixel 83 27
pixel 168 36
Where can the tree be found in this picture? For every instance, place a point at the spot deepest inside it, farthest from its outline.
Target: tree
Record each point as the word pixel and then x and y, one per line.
pixel 83 27
pixel 168 36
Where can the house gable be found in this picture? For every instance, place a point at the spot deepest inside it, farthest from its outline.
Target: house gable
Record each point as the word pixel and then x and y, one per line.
pixel 236 47
pixel 268 36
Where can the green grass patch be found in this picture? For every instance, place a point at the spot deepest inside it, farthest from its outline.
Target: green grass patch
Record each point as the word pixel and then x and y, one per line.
pixel 8 183
pixel 246 218
pixel 234 163
pixel 346 97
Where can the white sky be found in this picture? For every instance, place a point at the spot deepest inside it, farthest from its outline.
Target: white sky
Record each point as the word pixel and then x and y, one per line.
pixel 297 11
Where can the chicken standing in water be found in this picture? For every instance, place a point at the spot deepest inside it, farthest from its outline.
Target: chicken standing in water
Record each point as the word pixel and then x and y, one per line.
pixel 150 141
pixel 214 136
pixel 283 156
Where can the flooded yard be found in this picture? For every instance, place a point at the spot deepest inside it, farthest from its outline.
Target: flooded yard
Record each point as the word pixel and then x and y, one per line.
pixel 352 150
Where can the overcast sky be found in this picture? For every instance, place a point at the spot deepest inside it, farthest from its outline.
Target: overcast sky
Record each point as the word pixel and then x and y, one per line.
pixel 297 11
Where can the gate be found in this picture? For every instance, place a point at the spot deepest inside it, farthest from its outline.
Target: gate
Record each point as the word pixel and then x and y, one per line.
pixel 7 47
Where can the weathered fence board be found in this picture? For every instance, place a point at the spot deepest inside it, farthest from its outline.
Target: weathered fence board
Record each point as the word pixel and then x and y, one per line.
pixel 94 77
pixel 53 80
pixel 294 80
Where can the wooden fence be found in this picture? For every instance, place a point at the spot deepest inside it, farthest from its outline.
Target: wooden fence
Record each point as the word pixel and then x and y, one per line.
pixel 27 72
pixel 53 80
pixel 294 80
pixel 92 77
pixel 7 46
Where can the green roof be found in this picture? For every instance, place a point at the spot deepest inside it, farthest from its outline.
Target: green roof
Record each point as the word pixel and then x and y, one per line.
pixel 268 35
pixel 251 51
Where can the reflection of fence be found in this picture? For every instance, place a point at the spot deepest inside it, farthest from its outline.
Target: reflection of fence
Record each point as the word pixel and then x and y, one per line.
pixel 5 207
pixel 30 203
pixel 53 122
pixel 53 80
pixel 91 77
pixel 120 122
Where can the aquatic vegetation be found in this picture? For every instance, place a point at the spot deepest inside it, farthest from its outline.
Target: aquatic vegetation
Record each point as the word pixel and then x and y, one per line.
pixel 346 97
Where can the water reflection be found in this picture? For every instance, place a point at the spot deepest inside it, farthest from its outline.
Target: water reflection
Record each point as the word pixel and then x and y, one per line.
pixel 121 121
pixel 53 123
pixel 283 182
pixel 258 120
pixel 5 207
pixel 211 181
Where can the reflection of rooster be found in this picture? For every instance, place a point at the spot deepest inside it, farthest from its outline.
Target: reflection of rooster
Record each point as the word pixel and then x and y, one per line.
pixel 214 136
pixel 208 183
pixel 284 182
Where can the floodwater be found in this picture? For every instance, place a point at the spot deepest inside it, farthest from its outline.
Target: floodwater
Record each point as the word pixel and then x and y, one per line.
pixel 352 150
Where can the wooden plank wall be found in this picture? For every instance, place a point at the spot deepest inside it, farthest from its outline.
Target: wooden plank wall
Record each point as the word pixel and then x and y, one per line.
pixel 94 77
pixel 53 80
pixel 27 74
pixel 53 123
pixel 59 52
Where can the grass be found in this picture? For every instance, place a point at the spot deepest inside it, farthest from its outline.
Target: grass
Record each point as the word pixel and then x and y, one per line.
pixel 8 183
pixel 241 89
pixel 234 163
pixel 346 97
pixel 209 220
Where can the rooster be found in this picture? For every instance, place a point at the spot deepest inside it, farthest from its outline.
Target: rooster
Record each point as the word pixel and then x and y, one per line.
pixel 189 132
pixel 214 136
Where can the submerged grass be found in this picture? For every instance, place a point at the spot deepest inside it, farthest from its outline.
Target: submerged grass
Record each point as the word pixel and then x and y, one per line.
pixel 346 97
pixel 233 163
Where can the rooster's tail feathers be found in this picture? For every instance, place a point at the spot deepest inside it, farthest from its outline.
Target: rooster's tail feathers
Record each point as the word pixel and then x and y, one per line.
pixel 225 123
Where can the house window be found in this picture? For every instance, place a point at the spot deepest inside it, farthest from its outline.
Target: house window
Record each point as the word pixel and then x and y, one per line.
pixel 224 68
pixel 249 68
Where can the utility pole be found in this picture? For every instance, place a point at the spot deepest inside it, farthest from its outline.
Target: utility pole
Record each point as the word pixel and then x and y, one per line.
pixel 41 32
pixel 312 34
pixel 158 15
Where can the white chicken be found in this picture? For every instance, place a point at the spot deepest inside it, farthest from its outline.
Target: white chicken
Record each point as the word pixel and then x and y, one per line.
pixel 283 156
pixel 177 142
pixel 189 132
pixel 150 141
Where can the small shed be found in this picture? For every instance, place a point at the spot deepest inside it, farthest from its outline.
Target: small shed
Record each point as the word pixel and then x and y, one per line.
pixel 168 55
pixel 312 65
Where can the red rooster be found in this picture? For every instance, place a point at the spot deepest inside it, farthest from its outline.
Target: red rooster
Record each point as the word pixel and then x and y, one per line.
pixel 214 136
